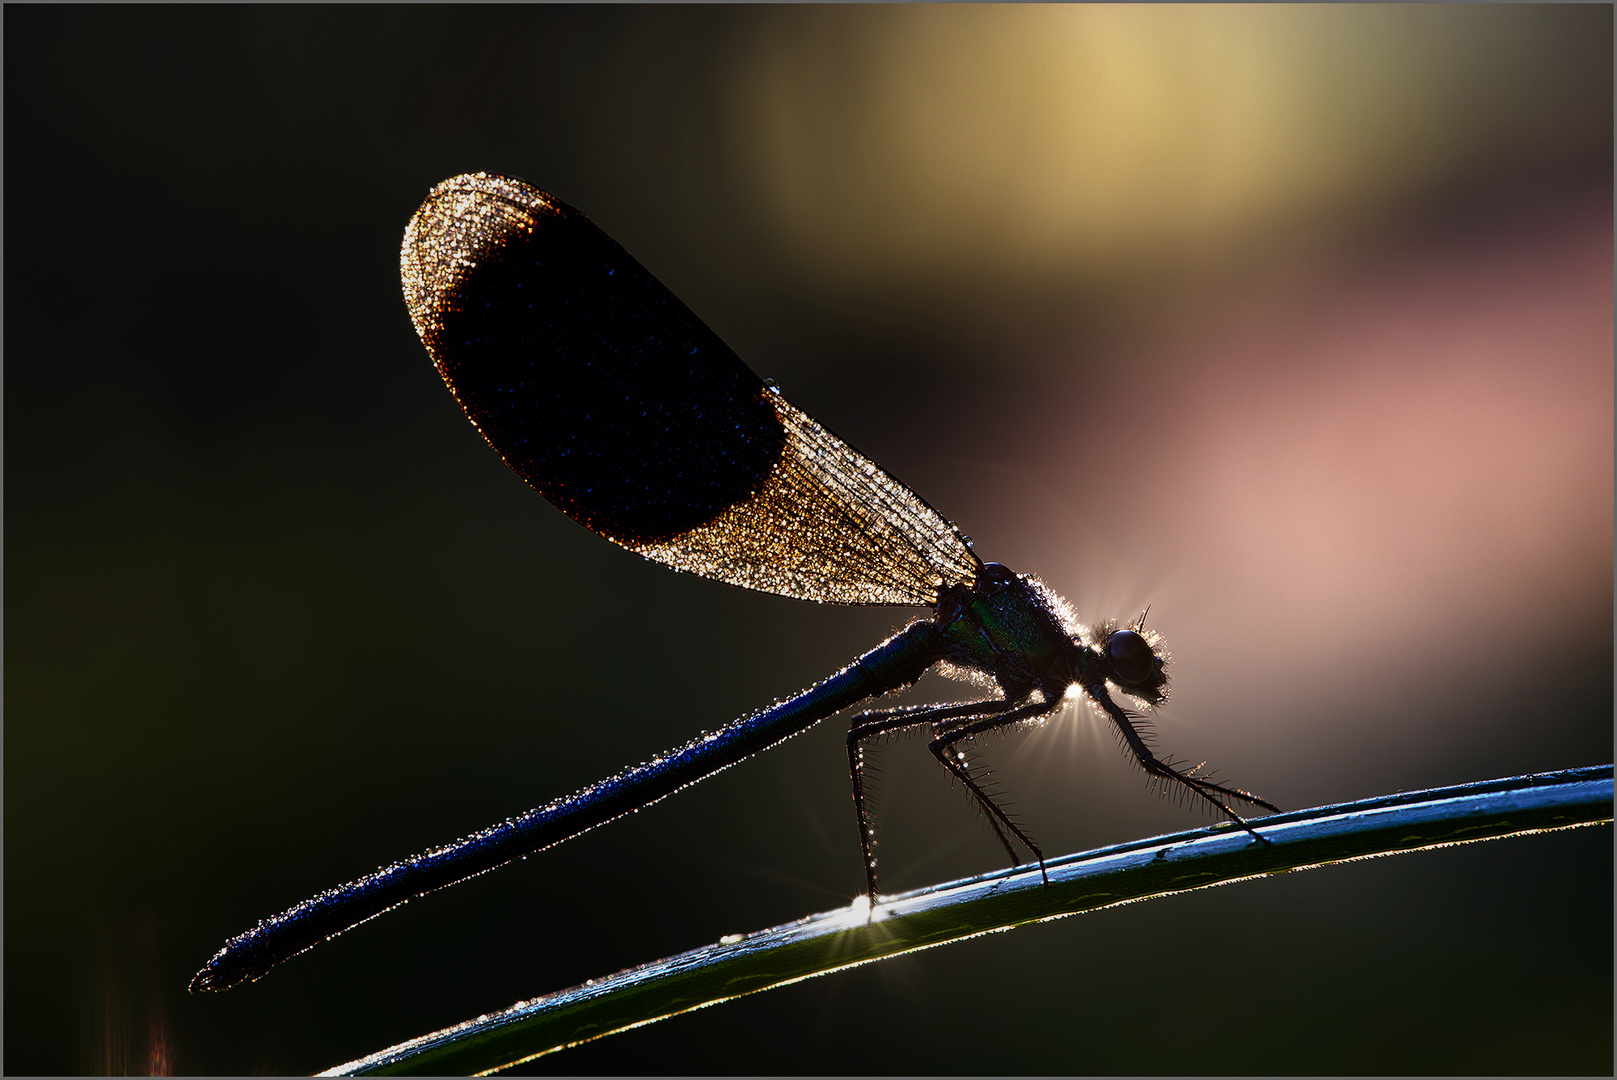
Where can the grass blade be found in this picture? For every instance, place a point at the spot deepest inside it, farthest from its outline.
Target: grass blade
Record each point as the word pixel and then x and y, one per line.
pixel 1143 869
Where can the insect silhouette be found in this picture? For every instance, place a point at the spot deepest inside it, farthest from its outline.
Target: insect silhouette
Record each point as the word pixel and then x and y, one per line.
pixel 620 406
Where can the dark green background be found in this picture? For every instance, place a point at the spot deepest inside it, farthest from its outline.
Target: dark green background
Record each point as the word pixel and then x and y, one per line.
pixel 276 616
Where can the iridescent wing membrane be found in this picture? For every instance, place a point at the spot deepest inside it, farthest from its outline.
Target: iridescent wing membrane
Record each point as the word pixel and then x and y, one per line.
pixel 617 404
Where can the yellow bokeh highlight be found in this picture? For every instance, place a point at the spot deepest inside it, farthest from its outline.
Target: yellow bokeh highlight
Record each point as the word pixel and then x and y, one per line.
pixel 1028 139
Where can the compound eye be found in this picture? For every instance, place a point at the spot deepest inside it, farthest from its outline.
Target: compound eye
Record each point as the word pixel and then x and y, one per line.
pixel 1133 662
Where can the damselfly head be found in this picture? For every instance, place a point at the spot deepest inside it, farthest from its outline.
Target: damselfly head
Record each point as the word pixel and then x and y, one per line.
pixel 1133 659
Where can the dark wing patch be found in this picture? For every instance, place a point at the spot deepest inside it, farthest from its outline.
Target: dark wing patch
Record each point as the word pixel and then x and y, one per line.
pixel 589 377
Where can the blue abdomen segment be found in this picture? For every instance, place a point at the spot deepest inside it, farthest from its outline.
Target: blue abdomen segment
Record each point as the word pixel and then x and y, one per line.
pixel 895 663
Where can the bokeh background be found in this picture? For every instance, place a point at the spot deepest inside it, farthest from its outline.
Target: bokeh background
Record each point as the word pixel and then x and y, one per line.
pixel 1293 323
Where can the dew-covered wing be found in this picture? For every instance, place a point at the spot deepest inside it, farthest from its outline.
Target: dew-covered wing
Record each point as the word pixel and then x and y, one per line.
pixel 621 407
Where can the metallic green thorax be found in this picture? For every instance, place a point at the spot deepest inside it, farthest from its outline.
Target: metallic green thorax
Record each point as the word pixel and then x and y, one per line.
pixel 1010 628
